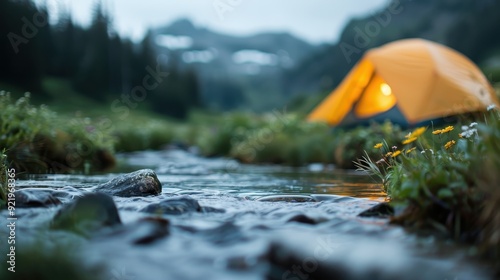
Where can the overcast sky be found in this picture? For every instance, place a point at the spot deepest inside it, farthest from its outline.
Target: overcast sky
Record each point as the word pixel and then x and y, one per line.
pixel 313 20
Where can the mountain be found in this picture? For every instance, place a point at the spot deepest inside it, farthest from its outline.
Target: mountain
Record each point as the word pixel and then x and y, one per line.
pixel 469 26
pixel 234 71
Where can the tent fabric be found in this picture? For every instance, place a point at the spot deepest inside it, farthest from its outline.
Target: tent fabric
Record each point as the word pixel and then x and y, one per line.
pixel 422 79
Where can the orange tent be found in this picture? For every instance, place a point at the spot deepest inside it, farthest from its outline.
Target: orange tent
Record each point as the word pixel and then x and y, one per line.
pixel 422 80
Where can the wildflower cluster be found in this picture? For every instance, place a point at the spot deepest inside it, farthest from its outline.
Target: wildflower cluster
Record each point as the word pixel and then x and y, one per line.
pixel 469 131
pixel 417 149
pixel 395 151
pixel 451 184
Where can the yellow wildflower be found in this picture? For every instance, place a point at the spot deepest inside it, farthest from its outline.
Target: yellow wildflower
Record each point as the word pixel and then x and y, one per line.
pixel 409 140
pixel 396 153
pixel 411 150
pixel 444 130
pixel 439 131
pixel 388 154
pixel 419 131
pixel 448 129
pixel 449 144
pixel 378 146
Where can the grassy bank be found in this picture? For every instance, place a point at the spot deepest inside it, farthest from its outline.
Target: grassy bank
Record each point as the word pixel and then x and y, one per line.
pixel 446 180
pixel 37 139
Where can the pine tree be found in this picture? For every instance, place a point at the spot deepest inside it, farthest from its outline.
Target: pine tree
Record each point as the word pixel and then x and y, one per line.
pixel 93 76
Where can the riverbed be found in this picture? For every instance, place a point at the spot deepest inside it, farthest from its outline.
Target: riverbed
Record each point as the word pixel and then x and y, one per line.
pixel 261 222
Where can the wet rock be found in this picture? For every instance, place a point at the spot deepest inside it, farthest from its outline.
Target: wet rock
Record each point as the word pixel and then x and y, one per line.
pixel 286 263
pixel 382 210
pixel 87 214
pixel 226 234
pixel 143 231
pixel 287 198
pixel 174 206
pixel 139 183
pixel 27 198
pixel 303 219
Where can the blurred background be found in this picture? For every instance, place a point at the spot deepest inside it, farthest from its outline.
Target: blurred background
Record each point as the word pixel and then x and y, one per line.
pixel 220 55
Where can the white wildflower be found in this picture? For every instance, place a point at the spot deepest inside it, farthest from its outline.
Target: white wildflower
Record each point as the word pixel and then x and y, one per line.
pixel 430 150
pixel 491 107
pixel 469 133
pixel 473 124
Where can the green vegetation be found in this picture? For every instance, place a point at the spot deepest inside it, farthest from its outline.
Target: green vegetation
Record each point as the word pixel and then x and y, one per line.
pixel 270 138
pixel 58 262
pixel 281 138
pixel 446 179
pixel 36 139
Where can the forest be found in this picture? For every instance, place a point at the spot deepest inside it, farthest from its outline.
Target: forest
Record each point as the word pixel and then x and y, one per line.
pixel 96 61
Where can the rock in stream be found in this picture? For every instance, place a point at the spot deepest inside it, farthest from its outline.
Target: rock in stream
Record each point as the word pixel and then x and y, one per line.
pixel 139 183
pixel 174 206
pixel 87 214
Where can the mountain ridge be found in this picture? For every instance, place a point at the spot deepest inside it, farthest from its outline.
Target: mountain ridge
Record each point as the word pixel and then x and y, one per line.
pixel 230 67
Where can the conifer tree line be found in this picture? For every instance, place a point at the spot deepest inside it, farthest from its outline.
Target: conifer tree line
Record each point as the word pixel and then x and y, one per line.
pixel 98 62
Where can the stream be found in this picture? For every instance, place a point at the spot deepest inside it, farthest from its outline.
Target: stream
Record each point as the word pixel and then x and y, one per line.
pixel 260 222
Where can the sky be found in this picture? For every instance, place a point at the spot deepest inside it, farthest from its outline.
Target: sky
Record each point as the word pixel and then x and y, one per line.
pixel 316 21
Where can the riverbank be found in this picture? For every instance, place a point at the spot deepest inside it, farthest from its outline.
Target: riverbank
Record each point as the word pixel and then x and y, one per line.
pixel 443 178
pixel 39 140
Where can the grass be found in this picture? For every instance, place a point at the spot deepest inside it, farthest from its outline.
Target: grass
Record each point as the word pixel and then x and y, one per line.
pixel 285 138
pixel 447 180
pixel 37 140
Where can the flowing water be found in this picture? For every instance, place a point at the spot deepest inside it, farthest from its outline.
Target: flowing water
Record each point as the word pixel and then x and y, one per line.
pixel 267 222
